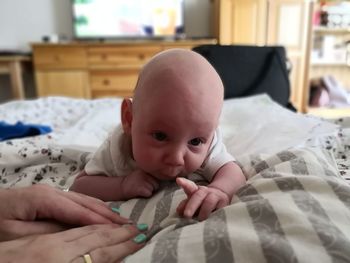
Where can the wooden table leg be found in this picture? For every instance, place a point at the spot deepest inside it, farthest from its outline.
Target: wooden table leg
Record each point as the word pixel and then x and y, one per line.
pixel 16 79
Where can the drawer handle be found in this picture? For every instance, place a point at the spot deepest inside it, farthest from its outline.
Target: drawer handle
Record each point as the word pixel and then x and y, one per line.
pixel 106 82
pixel 104 57
pixel 57 58
pixel 142 56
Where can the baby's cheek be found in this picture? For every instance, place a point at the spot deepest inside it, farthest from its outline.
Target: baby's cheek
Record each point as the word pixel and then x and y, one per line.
pixel 141 156
pixel 144 158
pixel 194 163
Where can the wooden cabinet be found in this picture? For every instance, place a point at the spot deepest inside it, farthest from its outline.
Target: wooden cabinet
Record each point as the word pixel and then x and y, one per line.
pixel 60 57
pixel 72 83
pixel 114 69
pixel 61 71
pixel 290 25
pixel 241 21
pixel 92 70
pixel 271 22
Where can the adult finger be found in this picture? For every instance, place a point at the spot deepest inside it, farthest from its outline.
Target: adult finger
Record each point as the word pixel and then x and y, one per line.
pixel 76 209
pixel 97 209
pixel 115 253
pixel 13 229
pixel 80 232
pixel 45 202
pixel 188 186
pixel 100 238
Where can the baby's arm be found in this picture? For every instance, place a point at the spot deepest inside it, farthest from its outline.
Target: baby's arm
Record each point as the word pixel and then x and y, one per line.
pixel 205 199
pixel 229 178
pixel 116 188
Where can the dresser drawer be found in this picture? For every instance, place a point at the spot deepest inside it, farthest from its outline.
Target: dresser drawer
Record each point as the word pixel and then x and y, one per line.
pixel 59 57
pixel 111 93
pixel 121 81
pixel 72 83
pixel 127 57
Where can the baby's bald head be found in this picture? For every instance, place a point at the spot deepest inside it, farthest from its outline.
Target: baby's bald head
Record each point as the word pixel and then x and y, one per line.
pixel 180 71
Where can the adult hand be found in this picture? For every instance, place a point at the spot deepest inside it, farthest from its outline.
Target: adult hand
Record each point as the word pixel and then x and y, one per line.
pixel 104 243
pixel 200 199
pixel 42 209
pixel 138 183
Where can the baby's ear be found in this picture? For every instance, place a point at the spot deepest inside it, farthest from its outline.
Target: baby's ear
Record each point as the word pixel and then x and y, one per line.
pixel 126 112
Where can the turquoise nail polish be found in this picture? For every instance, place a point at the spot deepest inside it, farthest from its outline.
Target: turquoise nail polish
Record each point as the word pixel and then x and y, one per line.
pixel 115 210
pixel 140 238
pixel 142 227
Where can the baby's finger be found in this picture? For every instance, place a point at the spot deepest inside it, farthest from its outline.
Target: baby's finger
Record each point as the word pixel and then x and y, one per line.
pixel 188 186
pixel 194 202
pixel 181 207
pixel 209 205
pixel 154 182
pixel 222 203
pixel 145 191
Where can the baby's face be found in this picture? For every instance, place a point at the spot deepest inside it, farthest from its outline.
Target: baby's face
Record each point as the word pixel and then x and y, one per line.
pixel 170 140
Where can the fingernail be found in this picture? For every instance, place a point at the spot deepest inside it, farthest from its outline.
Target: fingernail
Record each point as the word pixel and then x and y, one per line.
pixel 140 238
pixel 142 227
pixel 116 210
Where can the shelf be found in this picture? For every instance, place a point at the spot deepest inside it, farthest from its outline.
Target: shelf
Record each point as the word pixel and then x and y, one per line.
pixel 329 113
pixel 329 63
pixel 331 30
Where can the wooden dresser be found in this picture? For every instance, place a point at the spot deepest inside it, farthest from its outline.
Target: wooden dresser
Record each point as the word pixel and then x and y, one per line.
pixel 92 70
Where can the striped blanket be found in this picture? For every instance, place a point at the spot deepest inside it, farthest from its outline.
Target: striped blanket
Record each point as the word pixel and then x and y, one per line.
pixel 294 208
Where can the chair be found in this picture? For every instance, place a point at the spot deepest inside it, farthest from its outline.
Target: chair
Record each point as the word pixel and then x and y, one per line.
pixel 251 70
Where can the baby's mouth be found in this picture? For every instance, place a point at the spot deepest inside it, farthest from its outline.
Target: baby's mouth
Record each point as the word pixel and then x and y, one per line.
pixel 169 173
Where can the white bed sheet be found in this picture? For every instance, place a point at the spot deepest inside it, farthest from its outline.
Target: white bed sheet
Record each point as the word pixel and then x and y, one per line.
pixel 250 125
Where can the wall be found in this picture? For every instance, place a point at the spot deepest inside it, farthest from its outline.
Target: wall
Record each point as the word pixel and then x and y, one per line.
pixel 23 22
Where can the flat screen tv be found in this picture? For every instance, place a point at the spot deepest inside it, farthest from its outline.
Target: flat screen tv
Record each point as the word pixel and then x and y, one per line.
pixel 108 19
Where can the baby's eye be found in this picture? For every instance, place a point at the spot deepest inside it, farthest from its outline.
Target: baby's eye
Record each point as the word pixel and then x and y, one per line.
pixel 195 141
pixel 159 136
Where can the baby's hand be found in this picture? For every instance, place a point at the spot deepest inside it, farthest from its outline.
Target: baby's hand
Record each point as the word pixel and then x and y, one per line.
pixel 201 199
pixel 138 184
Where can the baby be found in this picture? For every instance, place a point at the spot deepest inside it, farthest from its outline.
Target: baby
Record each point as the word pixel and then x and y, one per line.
pixel 168 131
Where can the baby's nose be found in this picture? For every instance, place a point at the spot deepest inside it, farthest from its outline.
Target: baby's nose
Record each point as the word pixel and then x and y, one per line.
pixel 175 157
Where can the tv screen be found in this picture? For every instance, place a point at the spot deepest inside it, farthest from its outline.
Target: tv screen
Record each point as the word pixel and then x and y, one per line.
pixel 128 18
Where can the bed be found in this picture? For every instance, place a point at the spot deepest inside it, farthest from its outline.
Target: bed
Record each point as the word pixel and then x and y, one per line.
pixel 295 206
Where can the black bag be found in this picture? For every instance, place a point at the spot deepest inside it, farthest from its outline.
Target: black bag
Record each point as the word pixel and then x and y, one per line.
pixel 251 70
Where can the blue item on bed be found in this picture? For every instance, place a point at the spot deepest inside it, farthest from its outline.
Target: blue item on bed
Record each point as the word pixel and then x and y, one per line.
pixel 20 130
